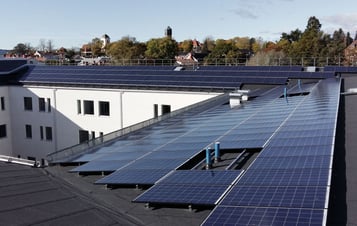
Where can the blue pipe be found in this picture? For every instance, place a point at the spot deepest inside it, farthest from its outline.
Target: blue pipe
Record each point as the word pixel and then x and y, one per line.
pixel 208 158
pixel 217 155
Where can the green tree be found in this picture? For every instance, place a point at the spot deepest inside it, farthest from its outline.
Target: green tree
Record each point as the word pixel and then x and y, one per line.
pixel 96 47
pixel 186 46
pixel 161 48
pixel 22 49
pixel 125 49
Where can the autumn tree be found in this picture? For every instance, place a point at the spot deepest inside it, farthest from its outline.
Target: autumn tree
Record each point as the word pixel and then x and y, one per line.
pixel 125 49
pixel 161 48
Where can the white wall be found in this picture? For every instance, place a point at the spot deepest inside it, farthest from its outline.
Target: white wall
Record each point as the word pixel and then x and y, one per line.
pixel 35 146
pixel 127 107
pixel 5 142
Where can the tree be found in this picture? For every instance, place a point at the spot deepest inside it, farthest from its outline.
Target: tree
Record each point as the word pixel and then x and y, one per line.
pixel 22 49
pixel 96 47
pixel 50 46
pixel 161 48
pixel 186 46
pixel 126 48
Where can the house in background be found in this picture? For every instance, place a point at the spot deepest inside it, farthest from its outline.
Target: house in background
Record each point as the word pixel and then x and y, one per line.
pixel 351 54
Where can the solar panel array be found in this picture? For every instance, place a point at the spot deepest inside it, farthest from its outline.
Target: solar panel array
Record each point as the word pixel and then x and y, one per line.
pixel 165 77
pixel 169 144
pixel 191 187
pixel 289 181
pixel 290 176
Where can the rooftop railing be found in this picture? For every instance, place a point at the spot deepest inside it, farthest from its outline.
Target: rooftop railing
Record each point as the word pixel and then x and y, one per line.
pixel 70 153
pixel 283 61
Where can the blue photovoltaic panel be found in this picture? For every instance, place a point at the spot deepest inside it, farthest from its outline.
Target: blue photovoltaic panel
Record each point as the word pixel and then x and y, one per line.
pixel 138 176
pixel 87 157
pixel 183 194
pixel 288 197
pixel 274 177
pixel 302 141
pixel 313 150
pixel 203 177
pixel 204 187
pixel 294 162
pixel 101 166
pixel 145 163
pixel 229 216
pixel 122 155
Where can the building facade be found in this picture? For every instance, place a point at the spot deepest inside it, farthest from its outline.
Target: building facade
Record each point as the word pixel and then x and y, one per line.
pixel 37 120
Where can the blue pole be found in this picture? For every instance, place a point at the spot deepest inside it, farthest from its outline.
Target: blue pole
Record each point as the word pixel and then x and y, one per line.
pixel 299 84
pixel 217 154
pixel 208 158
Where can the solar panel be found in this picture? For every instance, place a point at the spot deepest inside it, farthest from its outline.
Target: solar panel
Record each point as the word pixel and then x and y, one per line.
pixel 134 176
pixel 285 177
pixel 202 177
pixel 312 150
pixel 200 187
pixel 274 196
pixel 293 162
pixel 227 216
pixel 101 166
pixel 183 194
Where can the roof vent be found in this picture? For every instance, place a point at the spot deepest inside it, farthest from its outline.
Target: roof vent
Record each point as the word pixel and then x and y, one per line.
pixel 235 98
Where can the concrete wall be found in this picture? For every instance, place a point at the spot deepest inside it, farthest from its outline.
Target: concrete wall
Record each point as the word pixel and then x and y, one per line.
pixel 127 107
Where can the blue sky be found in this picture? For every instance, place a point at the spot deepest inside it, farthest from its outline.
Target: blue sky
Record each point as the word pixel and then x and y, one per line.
pixel 71 23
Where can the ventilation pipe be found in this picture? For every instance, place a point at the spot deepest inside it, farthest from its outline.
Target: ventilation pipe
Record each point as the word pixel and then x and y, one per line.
pixel 208 158
pixel 217 155
pixel 286 94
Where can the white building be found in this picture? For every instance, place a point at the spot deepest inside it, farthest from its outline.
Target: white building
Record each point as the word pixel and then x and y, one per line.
pixel 37 119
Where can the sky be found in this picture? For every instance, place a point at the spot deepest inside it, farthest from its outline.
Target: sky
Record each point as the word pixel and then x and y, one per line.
pixel 72 23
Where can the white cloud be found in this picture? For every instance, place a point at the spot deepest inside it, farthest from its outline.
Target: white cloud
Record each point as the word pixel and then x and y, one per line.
pixel 348 22
pixel 244 13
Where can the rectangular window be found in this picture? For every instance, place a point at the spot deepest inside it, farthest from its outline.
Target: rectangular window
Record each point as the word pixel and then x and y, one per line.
pixel 41 133
pixel 28 103
pixel 156 110
pixel 49 105
pixel 41 104
pixel 165 109
pixel 104 108
pixel 2 103
pixel 28 129
pixel 83 136
pixel 2 131
pixel 48 133
pixel 79 107
pixel 88 107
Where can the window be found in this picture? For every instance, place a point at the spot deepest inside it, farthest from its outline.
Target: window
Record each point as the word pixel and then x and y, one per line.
pixel 104 108
pixel 165 109
pixel 79 107
pixel 2 131
pixel 2 103
pixel 41 132
pixel 48 133
pixel 49 104
pixel 28 103
pixel 83 136
pixel 88 107
pixel 28 129
pixel 156 110
pixel 41 104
